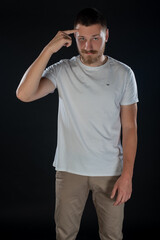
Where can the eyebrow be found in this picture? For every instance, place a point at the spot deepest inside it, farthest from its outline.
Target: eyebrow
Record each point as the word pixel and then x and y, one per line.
pixel 92 35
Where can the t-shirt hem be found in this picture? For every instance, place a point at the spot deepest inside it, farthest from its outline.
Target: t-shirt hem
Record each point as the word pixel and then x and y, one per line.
pixel 48 76
pixel 129 103
pixel 89 174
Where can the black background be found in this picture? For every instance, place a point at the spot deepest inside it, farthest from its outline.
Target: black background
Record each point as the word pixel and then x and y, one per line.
pixel 29 130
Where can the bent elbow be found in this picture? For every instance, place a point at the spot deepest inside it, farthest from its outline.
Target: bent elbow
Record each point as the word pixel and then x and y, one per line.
pixel 21 97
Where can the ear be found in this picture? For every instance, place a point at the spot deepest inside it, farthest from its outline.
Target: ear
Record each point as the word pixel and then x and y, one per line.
pixel 107 34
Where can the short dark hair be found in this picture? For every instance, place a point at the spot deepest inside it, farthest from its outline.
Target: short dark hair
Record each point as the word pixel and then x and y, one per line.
pixel 90 16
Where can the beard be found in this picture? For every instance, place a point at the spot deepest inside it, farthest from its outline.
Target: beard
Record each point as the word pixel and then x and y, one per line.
pixel 91 59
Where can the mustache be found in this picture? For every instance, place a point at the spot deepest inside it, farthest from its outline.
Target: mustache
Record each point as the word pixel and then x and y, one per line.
pixel 91 51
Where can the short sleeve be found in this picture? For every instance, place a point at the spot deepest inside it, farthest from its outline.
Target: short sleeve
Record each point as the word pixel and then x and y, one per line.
pixel 52 72
pixel 130 94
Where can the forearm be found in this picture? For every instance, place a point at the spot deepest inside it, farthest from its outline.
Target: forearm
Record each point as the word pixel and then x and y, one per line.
pixel 31 79
pixel 129 142
pixel 30 82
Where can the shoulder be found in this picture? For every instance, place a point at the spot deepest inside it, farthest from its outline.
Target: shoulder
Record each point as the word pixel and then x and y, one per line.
pixel 120 67
pixel 70 61
pixel 64 63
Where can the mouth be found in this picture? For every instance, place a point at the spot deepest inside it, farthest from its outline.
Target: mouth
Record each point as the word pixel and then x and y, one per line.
pixel 89 52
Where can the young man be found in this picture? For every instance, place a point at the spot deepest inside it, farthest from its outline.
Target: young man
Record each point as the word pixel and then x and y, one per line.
pixel 97 96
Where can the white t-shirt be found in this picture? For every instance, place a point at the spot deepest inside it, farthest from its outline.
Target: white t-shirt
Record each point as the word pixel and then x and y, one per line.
pixel 89 126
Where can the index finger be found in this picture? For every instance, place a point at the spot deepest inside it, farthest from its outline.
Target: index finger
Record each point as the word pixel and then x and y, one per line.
pixel 71 31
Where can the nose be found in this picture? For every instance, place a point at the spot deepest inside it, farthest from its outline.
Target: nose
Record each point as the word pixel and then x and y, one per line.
pixel 88 45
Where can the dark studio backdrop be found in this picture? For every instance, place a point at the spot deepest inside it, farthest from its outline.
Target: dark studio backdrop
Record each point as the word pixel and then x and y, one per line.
pixel 29 130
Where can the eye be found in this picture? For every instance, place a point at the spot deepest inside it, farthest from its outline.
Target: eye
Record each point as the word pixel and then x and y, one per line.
pixel 95 38
pixel 81 39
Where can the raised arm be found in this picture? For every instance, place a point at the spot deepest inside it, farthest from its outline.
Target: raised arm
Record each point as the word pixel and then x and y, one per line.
pixel 32 85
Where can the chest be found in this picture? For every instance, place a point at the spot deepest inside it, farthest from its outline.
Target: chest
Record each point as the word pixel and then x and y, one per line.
pixel 90 92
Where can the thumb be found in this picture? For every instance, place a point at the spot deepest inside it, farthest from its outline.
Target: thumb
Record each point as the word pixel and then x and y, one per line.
pixel 114 191
pixel 68 43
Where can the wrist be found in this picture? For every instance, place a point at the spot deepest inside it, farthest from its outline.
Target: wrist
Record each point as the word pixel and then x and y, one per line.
pixel 47 50
pixel 127 175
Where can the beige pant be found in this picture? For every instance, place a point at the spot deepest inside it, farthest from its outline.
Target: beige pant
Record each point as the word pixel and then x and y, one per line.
pixel 71 194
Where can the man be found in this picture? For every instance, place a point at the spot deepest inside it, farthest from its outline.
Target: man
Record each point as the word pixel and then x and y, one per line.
pixel 97 96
